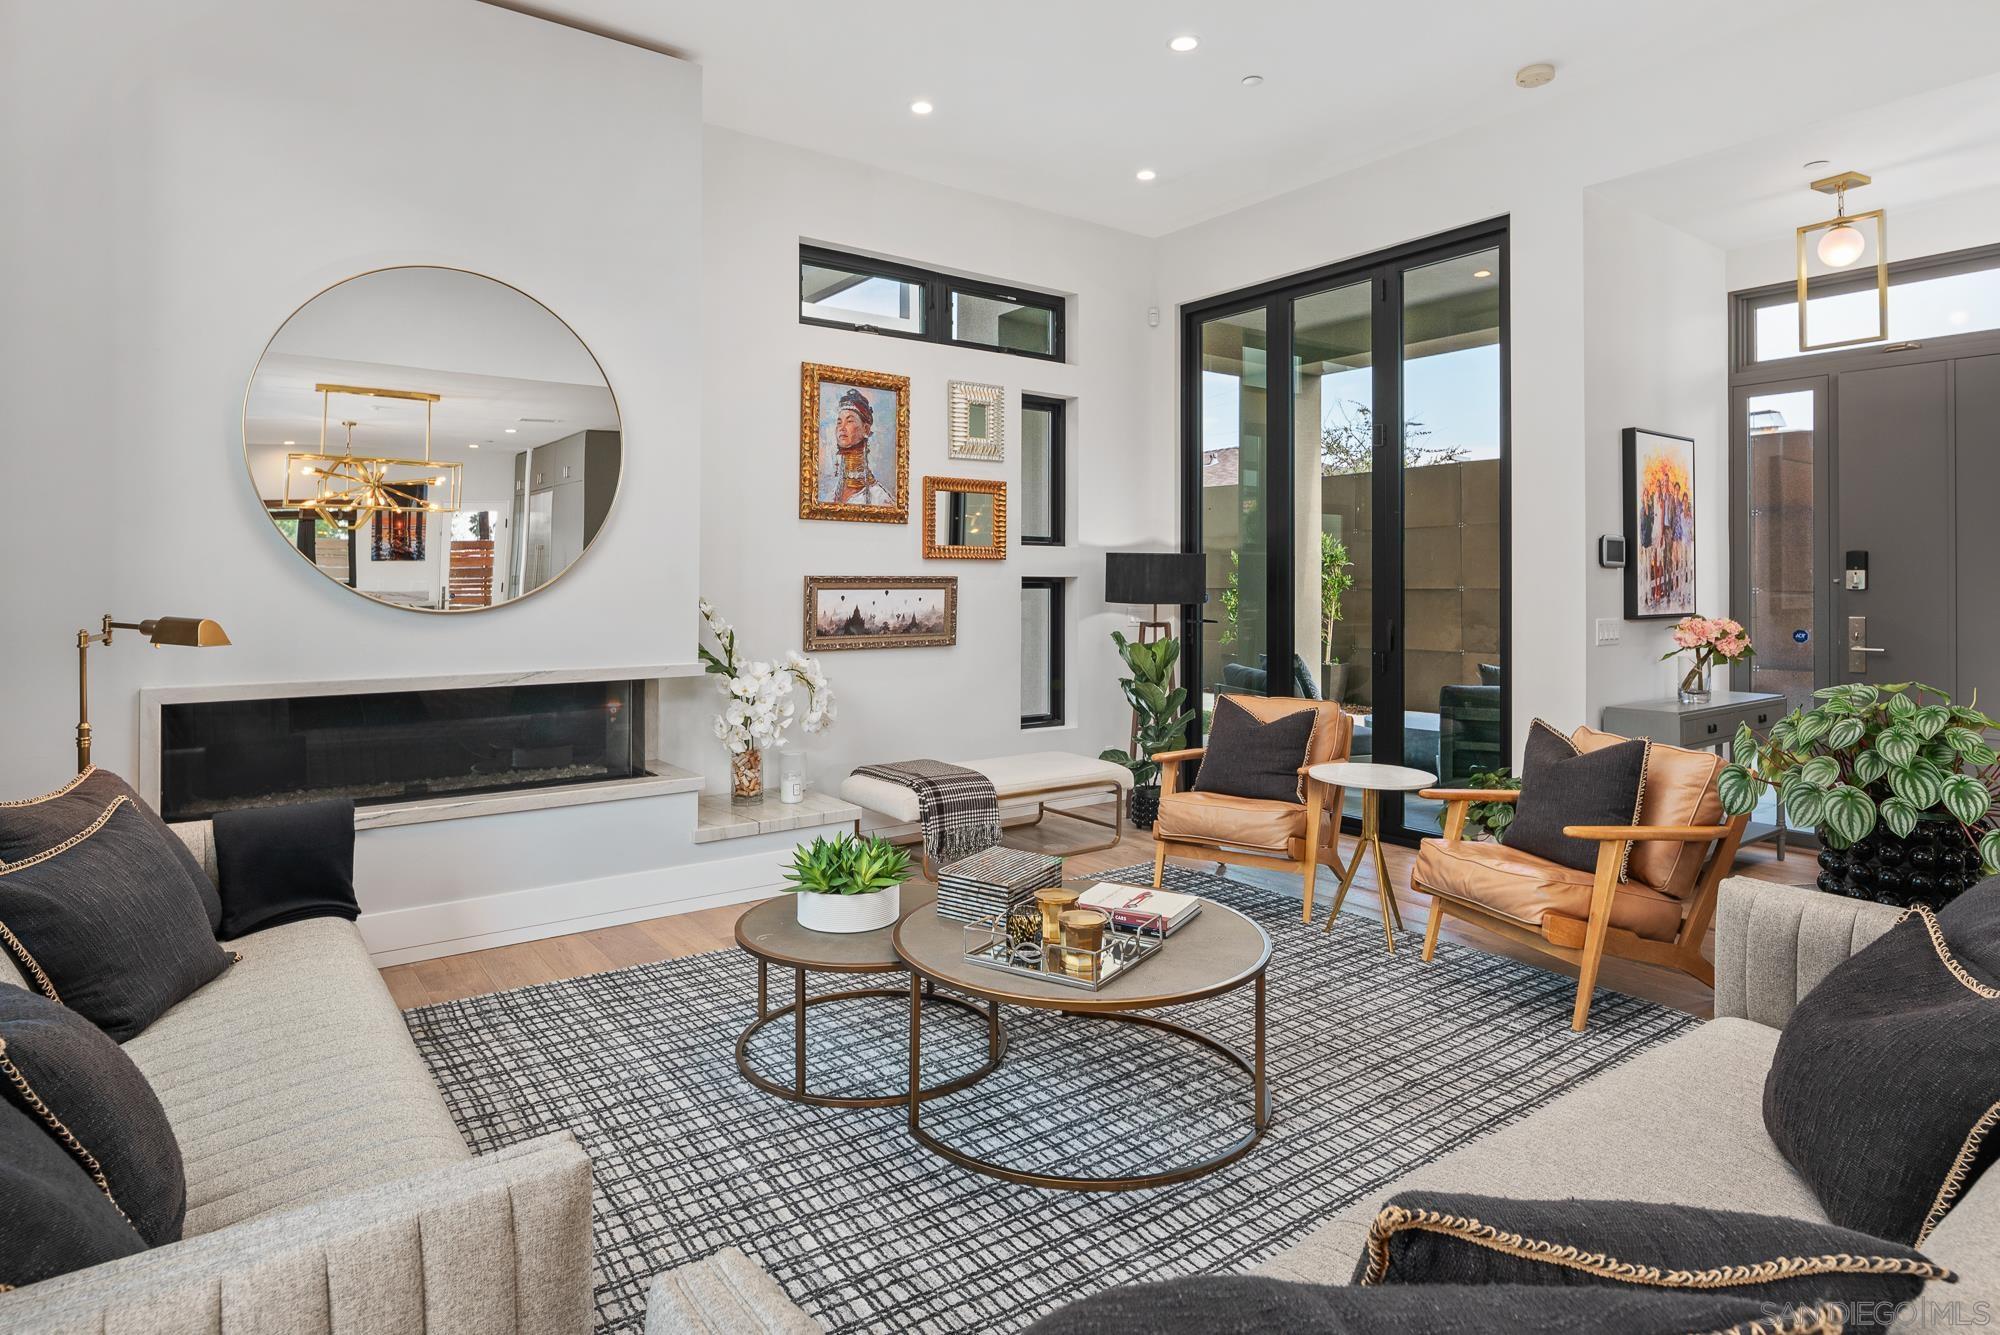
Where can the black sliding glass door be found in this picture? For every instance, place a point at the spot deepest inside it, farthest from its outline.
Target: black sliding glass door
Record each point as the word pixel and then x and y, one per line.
pixel 1352 504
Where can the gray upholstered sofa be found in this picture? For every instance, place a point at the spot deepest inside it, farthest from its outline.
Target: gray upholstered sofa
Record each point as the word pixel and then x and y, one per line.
pixel 1680 1122
pixel 329 1192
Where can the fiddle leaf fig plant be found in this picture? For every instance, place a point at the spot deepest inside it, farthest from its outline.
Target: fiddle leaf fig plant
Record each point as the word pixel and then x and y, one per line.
pixel 1866 755
pixel 1160 708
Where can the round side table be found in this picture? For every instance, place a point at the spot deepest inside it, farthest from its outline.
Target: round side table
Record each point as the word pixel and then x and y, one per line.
pixel 770 933
pixel 1372 781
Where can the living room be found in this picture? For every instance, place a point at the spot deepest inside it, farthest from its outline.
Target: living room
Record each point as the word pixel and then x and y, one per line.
pixel 523 906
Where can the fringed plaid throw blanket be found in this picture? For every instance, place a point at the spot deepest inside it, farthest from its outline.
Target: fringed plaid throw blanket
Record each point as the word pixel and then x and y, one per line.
pixel 957 806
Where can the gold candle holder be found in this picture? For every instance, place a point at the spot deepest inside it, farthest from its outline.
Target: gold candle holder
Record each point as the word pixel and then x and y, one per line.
pixel 1053 902
pixel 1082 938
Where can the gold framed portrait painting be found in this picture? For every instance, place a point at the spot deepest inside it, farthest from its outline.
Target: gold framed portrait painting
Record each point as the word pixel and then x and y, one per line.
pixel 880 612
pixel 854 445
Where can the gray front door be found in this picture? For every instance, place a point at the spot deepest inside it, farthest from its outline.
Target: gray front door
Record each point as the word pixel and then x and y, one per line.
pixel 1895 512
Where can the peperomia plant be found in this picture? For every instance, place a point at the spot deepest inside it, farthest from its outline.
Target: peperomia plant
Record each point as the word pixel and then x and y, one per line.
pixel 1866 755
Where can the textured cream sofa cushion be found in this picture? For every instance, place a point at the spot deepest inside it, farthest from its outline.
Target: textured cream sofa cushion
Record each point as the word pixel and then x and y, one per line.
pixel 292 1078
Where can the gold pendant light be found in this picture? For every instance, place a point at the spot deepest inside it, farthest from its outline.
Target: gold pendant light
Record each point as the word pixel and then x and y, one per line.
pixel 347 489
pixel 1842 240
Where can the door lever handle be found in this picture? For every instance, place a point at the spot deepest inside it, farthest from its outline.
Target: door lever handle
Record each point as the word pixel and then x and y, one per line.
pixel 1865 649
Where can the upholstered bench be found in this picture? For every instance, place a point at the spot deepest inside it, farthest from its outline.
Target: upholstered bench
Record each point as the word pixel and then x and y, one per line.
pixel 1038 777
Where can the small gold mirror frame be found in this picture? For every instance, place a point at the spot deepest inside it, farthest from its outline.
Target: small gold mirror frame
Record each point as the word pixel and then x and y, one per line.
pixel 1838 186
pixel 993 550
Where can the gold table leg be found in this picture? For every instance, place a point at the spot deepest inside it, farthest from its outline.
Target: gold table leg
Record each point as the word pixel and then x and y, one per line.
pixel 1369 845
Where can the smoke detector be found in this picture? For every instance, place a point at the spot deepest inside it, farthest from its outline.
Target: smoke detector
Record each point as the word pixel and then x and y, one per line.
pixel 1534 76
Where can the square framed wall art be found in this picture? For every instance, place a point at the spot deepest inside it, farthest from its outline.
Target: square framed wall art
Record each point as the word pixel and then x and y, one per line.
pixel 881 612
pixel 978 421
pixel 1659 525
pixel 854 445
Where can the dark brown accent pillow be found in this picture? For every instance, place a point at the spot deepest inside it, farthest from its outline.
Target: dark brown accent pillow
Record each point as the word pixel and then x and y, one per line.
pixel 1248 757
pixel 35 823
pixel 102 923
pixel 64 1072
pixel 1254 1305
pixel 1560 787
pixel 1884 1092
pixel 1433 1237
pixel 56 1220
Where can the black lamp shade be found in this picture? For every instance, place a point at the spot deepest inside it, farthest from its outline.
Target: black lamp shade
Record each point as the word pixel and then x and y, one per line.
pixel 1155 577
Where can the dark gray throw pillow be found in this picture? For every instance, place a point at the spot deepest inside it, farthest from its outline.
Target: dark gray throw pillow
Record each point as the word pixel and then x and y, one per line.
pixel 1253 1305
pixel 1560 786
pixel 1884 1092
pixel 285 864
pixel 55 1219
pixel 101 923
pixel 64 1072
pixel 1248 757
pixel 36 823
pixel 1435 1237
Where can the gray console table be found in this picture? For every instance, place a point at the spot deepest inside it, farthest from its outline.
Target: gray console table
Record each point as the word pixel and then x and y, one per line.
pixel 1712 725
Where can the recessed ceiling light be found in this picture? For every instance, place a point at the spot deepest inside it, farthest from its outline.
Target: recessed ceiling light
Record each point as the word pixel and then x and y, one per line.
pixel 1252 80
pixel 471 444
pixel 1147 173
pixel 1482 273
pixel 291 442
pixel 1185 42
pixel 922 107
pixel 510 430
pixel 1816 164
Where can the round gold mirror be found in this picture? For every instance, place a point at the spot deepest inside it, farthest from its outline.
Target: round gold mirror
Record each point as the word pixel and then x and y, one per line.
pixel 432 439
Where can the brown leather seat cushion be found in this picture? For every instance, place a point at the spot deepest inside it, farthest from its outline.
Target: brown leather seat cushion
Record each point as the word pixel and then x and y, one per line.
pixel 1276 828
pixel 1524 888
pixel 1681 789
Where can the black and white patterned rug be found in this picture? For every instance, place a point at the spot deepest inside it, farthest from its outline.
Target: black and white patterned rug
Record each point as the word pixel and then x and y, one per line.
pixel 1377 1064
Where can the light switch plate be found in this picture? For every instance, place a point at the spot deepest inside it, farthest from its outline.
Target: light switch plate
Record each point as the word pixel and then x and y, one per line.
pixel 1607 630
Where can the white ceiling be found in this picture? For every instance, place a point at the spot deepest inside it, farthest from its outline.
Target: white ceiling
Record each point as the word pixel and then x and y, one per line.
pixel 1937 144
pixel 1058 103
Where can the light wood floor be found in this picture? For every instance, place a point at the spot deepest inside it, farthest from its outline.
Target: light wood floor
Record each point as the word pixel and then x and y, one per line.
pixel 454 976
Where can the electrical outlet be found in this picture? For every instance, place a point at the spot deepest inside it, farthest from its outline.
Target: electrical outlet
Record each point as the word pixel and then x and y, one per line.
pixel 1607 630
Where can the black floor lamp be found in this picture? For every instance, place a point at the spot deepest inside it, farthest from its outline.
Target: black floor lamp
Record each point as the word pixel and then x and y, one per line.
pixel 1155 579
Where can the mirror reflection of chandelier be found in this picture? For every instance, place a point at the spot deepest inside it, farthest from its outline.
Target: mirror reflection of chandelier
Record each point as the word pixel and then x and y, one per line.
pixel 347 489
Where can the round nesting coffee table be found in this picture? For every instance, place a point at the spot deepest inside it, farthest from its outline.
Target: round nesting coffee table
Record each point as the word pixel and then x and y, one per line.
pixel 771 934
pixel 1372 780
pixel 1218 952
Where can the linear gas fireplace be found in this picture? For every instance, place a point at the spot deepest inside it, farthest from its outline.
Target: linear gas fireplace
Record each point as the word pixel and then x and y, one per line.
pixel 398 746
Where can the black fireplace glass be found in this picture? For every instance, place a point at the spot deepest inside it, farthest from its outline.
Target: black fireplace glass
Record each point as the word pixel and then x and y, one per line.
pixel 396 746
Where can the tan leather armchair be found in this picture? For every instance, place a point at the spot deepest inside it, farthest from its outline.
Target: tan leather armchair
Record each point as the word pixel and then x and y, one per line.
pixel 1252 832
pixel 1658 914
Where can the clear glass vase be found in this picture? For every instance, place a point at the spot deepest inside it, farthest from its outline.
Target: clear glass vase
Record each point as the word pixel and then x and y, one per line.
pixel 746 776
pixel 1695 689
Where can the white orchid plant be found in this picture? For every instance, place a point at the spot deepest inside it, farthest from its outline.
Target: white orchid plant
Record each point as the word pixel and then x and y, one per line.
pixel 760 694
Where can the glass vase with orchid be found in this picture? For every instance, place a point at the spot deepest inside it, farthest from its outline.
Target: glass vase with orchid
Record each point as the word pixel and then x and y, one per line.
pixel 760 702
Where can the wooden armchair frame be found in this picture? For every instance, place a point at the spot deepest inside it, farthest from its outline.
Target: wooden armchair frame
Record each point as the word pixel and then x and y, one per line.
pixel 1320 798
pixel 1585 942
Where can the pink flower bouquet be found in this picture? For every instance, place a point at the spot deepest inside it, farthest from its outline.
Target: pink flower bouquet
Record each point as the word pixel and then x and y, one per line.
pixel 1711 641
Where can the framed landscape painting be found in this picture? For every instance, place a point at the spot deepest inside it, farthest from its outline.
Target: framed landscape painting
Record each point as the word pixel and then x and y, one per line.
pixel 1659 525
pixel 854 445
pixel 880 612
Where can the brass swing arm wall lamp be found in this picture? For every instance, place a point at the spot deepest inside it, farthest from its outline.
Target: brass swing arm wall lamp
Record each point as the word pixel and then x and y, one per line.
pixel 192 632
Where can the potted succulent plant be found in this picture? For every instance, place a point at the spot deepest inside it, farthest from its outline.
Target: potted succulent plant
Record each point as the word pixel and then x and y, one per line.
pixel 848 884
pixel 1161 722
pixel 1899 783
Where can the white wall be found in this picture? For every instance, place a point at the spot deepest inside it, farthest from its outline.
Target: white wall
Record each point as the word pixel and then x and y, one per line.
pixel 760 200
pixel 1935 227
pixel 1657 356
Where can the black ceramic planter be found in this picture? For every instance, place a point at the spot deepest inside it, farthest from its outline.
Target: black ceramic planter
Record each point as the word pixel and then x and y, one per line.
pixel 1933 866
pixel 1146 805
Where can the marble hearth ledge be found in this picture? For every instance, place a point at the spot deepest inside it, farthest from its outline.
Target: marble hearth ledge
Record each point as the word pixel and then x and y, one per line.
pixel 423 810
pixel 720 818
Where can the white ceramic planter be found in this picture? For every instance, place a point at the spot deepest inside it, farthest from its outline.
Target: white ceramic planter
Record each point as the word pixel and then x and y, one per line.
pixel 849 913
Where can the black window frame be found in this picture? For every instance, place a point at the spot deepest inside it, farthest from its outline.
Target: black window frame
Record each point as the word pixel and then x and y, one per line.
pixel 1058 410
pixel 1058 649
pixel 938 290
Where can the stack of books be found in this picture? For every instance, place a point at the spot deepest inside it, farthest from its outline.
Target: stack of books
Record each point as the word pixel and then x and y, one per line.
pixel 1136 907
pixel 996 881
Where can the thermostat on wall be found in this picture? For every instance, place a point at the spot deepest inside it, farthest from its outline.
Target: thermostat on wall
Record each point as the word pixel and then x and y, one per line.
pixel 1611 552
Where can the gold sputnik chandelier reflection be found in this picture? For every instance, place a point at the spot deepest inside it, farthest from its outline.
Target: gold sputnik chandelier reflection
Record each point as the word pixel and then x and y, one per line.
pixel 347 489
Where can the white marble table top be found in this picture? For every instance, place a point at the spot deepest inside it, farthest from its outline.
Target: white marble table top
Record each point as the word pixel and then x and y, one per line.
pixel 1379 778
